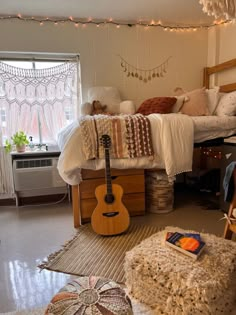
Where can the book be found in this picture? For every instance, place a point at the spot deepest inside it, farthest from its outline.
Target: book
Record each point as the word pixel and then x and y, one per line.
pixel 189 244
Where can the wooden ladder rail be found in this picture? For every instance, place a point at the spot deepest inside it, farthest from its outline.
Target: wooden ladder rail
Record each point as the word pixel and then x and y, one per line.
pixel 231 228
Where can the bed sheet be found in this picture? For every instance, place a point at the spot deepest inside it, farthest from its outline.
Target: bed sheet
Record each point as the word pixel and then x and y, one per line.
pixel 173 136
pixel 172 139
pixel 213 127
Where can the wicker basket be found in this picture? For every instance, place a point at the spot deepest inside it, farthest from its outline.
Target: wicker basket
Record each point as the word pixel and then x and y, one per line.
pixel 159 192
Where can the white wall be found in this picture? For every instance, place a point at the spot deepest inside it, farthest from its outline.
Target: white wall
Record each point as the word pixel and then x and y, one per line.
pixel 99 49
pixel 222 47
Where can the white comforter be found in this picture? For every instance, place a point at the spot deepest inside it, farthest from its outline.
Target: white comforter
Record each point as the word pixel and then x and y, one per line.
pixel 172 137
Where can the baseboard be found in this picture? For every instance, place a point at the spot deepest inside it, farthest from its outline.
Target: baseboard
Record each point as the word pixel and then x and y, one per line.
pixel 33 200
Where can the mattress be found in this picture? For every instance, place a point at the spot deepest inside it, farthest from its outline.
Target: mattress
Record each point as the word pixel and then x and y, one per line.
pixel 213 127
pixel 173 136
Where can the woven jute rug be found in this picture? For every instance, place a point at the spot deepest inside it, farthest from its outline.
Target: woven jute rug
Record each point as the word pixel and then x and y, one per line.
pixel 91 254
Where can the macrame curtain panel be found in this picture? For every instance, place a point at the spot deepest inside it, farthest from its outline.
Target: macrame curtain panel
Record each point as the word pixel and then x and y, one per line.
pixel 26 93
pixel 31 97
pixel 6 178
pixel 219 8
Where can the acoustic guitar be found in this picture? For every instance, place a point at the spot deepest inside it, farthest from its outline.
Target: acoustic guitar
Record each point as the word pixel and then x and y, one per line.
pixel 110 217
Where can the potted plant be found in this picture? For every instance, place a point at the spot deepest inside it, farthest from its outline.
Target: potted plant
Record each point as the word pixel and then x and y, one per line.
pixel 19 139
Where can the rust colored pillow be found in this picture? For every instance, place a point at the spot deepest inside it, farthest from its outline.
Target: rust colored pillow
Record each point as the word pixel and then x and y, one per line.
pixel 161 105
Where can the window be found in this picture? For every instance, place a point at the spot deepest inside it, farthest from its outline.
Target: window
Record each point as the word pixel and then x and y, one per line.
pixel 38 96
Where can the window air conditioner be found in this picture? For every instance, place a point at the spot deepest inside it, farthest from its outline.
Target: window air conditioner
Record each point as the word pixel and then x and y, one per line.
pixel 37 176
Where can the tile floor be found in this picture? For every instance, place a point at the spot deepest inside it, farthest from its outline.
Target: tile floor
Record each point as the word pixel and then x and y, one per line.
pixel 29 234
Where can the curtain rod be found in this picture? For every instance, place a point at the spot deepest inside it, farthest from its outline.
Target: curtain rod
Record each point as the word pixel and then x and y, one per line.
pixel 50 57
pixel 37 59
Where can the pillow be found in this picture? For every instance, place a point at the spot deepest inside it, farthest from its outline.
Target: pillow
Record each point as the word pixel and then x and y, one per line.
pixel 227 105
pixel 197 103
pixel 162 105
pixel 107 95
pixel 213 99
pixel 179 103
pixel 86 108
pixel 127 107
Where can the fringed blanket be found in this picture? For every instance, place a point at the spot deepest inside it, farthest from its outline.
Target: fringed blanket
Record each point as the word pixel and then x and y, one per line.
pixel 130 136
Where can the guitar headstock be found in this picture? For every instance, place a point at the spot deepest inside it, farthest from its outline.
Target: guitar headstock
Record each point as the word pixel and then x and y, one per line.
pixel 105 141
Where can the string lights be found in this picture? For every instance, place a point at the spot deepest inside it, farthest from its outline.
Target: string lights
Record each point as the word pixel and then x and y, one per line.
pixel 81 22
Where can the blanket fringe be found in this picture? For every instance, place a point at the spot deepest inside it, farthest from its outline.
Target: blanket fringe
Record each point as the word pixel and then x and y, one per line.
pixel 65 247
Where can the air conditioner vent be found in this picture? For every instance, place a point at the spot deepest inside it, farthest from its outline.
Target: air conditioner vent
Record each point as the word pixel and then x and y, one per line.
pixel 33 163
pixel 37 176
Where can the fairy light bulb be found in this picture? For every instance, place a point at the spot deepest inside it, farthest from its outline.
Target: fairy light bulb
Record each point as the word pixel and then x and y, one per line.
pixel 76 24
pixel 41 23
pixel 118 26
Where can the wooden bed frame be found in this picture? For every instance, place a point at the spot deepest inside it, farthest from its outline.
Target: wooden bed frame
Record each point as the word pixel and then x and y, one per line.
pixel 208 71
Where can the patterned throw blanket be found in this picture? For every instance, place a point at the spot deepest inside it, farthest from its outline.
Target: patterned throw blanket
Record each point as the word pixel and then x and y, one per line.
pixel 130 136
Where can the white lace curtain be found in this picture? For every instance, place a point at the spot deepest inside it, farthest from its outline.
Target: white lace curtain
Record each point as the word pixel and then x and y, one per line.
pixel 31 97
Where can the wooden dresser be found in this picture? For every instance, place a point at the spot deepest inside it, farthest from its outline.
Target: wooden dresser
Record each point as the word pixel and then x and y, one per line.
pixel 83 195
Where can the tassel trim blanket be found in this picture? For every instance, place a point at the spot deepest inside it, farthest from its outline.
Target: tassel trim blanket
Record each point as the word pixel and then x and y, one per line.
pixel 130 136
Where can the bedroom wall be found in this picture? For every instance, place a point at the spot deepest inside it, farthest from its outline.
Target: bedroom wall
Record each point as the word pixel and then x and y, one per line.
pixel 222 47
pixel 99 49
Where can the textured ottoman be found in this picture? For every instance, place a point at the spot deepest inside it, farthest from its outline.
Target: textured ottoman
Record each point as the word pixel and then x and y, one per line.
pixel 90 296
pixel 172 283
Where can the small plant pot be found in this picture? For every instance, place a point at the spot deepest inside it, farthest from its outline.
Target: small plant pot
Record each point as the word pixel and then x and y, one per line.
pixel 20 148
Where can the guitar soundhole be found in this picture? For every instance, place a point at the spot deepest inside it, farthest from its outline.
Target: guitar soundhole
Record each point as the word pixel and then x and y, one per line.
pixel 110 214
pixel 109 198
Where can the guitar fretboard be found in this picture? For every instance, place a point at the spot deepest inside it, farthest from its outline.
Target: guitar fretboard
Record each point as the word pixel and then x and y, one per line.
pixel 108 172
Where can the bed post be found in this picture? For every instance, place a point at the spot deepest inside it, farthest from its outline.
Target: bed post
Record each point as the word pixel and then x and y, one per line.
pixel 206 79
pixel 76 205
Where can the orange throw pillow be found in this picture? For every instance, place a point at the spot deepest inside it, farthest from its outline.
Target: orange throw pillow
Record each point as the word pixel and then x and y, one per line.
pixel 161 105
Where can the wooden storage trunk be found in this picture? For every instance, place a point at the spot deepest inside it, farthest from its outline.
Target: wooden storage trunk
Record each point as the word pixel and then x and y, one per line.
pixel 131 180
pixel 159 193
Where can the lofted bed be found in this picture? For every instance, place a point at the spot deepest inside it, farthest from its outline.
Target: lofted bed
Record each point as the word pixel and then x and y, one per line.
pixel 172 135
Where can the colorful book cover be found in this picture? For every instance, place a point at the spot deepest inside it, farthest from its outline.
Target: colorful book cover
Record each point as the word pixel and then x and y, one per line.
pixel 189 243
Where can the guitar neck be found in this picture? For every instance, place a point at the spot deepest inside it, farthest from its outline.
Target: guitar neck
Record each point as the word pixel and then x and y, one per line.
pixel 108 172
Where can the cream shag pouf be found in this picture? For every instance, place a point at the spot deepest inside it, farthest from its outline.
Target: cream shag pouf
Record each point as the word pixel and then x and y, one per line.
pixel 90 295
pixel 172 283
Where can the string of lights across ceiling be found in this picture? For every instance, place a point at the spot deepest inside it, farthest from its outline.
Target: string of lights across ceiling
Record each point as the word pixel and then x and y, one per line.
pixel 82 22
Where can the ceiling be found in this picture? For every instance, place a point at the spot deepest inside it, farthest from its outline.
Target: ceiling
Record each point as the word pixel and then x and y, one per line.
pixel 179 12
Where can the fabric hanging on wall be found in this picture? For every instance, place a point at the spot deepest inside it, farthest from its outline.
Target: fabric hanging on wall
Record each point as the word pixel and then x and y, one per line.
pixel 33 97
pixel 50 92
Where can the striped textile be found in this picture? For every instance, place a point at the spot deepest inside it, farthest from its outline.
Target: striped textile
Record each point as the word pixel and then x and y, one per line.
pixel 130 136
pixel 92 254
